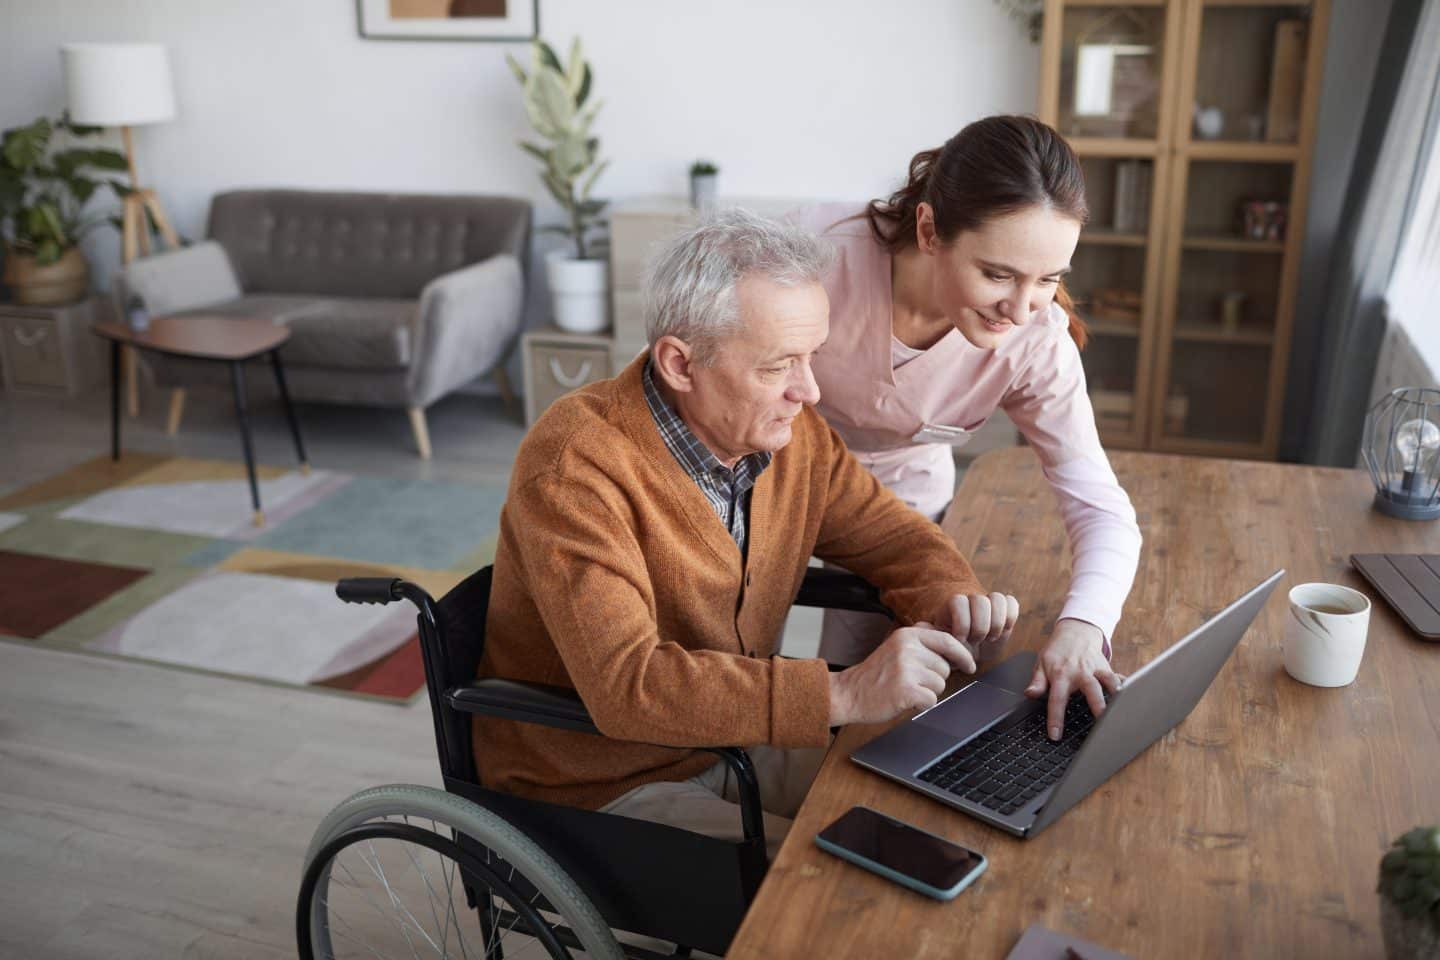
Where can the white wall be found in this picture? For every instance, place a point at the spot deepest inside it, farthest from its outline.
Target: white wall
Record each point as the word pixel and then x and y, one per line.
pixel 818 98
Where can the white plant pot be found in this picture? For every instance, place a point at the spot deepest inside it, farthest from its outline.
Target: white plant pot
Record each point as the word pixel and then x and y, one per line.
pixel 703 189
pixel 578 292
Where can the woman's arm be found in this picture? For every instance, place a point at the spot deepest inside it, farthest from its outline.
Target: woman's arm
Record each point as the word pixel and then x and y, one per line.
pixel 1050 406
pixel 1104 540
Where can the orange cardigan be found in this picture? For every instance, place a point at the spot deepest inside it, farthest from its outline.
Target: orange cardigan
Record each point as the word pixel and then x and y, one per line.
pixel 614 577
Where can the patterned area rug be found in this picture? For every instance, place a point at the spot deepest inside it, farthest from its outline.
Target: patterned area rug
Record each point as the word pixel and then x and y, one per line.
pixel 156 558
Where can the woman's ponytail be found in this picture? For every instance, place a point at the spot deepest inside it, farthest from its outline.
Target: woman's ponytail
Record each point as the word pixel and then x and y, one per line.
pixel 1078 331
pixel 893 220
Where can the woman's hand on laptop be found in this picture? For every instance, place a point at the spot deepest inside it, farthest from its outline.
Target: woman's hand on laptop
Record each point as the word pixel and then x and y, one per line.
pixel 1073 659
pixel 907 671
pixel 983 622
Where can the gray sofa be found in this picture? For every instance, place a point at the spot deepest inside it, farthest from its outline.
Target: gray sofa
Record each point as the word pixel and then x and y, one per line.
pixel 391 300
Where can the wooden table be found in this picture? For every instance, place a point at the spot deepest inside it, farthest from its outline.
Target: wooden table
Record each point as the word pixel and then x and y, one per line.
pixel 1255 828
pixel 230 340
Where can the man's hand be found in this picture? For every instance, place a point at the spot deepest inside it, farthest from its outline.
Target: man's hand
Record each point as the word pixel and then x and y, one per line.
pixel 982 622
pixel 907 671
pixel 1072 660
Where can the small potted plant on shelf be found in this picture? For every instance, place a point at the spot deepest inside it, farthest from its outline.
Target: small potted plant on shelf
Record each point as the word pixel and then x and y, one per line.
pixel 557 100
pixel 1029 13
pixel 1410 895
pixel 704 177
pixel 42 199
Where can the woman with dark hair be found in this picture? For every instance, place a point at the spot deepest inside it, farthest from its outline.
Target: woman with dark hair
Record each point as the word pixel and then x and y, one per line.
pixel 947 303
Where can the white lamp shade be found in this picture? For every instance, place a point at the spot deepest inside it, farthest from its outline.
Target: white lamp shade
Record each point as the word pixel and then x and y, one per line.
pixel 117 84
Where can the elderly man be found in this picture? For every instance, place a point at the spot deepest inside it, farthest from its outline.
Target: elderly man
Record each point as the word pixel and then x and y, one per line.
pixel 657 529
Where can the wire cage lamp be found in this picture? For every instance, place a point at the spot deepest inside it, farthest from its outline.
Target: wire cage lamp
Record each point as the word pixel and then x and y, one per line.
pixel 1401 446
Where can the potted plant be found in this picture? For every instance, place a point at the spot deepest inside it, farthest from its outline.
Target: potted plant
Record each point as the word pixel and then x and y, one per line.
pixel 42 199
pixel 1410 895
pixel 1029 13
pixel 704 177
pixel 556 98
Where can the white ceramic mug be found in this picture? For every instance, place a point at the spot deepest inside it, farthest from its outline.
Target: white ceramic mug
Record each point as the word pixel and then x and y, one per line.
pixel 1325 635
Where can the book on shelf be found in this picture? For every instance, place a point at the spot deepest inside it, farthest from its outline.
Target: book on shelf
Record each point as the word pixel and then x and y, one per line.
pixel 1116 305
pixel 1132 196
pixel 1287 69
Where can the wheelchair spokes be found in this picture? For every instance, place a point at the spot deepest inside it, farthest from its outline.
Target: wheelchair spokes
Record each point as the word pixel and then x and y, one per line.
pixel 391 901
pixel 395 872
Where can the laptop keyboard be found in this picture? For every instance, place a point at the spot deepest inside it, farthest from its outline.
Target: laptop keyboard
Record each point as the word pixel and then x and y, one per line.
pixel 1005 767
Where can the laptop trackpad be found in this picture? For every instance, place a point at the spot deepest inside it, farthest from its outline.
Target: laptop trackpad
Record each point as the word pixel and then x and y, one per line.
pixel 970 709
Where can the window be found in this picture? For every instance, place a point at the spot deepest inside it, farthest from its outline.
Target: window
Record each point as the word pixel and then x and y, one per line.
pixel 1413 298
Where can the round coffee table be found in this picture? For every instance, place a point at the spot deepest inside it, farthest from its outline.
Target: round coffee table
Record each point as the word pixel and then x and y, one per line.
pixel 231 340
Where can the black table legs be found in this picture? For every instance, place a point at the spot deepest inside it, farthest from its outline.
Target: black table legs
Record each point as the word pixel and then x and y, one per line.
pixel 289 410
pixel 237 379
pixel 114 400
pixel 242 414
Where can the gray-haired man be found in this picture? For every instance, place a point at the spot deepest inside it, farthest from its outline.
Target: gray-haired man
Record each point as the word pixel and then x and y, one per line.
pixel 657 529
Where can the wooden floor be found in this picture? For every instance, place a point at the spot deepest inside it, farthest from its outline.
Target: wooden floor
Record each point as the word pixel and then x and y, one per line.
pixel 150 812
pixel 147 812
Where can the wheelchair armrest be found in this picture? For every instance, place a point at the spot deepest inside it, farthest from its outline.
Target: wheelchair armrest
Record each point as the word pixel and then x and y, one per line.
pixel 561 707
pixel 527 702
pixel 839 590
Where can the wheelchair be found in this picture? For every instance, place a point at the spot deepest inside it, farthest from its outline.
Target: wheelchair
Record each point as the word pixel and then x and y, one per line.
pixel 414 871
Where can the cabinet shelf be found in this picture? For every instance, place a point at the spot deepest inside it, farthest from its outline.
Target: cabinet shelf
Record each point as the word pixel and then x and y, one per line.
pixel 1222 243
pixel 1199 333
pixel 1109 328
pixel 1251 3
pixel 1114 147
pixel 1109 238
pixel 1249 151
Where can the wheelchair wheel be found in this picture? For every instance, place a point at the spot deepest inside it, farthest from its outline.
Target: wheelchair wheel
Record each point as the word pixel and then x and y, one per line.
pixel 387 874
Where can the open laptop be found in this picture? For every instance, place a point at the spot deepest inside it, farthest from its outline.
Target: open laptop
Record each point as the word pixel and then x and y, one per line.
pixel 984 751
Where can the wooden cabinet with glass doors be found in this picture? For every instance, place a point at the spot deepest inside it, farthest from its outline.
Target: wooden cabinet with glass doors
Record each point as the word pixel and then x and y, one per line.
pixel 1194 121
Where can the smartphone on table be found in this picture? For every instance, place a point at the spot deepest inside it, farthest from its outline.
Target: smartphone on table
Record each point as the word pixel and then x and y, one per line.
pixel 915 858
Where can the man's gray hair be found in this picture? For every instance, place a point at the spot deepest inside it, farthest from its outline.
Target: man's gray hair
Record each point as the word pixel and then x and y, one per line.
pixel 690 284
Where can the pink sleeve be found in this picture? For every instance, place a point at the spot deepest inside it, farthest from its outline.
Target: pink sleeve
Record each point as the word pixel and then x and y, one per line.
pixel 1049 405
pixel 1104 541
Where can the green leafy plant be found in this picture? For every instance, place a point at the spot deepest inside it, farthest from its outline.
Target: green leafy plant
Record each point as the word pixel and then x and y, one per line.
pixel 1410 874
pixel 1028 13
pixel 43 192
pixel 556 98
pixel 701 168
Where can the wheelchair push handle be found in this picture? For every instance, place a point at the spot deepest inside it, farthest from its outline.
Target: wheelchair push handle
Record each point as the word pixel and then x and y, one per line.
pixel 369 589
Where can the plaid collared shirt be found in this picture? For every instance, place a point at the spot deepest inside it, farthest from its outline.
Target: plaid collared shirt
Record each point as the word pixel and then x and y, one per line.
pixel 727 490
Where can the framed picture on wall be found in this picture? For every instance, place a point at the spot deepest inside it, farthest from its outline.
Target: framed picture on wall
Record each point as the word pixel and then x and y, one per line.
pixel 513 20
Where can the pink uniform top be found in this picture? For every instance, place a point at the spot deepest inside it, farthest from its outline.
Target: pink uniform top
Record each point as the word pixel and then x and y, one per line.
pixel 902 411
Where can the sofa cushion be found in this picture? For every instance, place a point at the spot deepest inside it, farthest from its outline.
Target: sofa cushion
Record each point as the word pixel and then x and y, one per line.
pixel 274 307
pixel 183 279
pixel 351 333
pixel 343 333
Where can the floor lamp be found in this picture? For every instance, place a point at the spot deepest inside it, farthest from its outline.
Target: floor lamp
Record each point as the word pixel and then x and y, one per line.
pixel 126 85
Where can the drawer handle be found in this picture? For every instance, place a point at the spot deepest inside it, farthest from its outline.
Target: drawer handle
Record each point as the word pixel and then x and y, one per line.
pixel 579 380
pixel 29 340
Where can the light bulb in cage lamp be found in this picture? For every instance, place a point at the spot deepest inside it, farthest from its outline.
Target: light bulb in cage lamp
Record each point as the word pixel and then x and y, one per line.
pixel 1402 451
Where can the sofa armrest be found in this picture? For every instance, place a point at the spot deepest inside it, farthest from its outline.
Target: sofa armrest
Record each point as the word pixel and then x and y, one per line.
pixel 467 320
pixel 183 279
